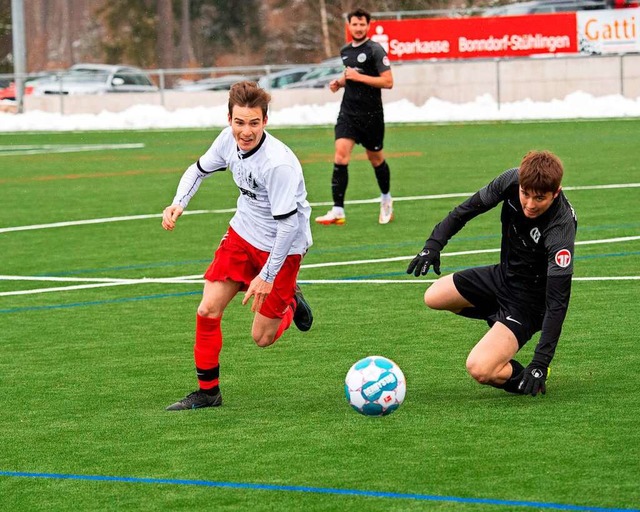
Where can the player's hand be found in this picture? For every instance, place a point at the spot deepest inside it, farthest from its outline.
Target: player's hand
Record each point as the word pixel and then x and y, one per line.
pixel 259 289
pixel 170 215
pixel 533 380
pixel 351 74
pixel 423 260
pixel 334 85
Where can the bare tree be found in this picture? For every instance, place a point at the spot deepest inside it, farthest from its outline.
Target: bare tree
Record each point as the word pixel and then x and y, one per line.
pixel 164 27
pixel 36 24
pixel 187 57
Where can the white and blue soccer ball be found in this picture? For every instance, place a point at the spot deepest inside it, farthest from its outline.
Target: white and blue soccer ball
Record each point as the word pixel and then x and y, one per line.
pixel 375 386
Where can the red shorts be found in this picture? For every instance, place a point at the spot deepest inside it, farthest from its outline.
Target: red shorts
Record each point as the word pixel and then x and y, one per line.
pixel 237 260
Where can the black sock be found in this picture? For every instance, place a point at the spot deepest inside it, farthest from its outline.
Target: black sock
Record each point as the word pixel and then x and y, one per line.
pixel 383 175
pixel 212 391
pixel 339 182
pixel 511 386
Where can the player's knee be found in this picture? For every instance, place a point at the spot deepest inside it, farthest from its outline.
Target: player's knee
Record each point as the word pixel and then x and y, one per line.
pixel 209 310
pixel 262 339
pixel 478 371
pixel 434 299
pixel 376 159
pixel 429 299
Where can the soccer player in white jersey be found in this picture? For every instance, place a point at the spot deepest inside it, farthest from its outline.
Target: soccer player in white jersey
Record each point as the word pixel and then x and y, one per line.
pixel 262 249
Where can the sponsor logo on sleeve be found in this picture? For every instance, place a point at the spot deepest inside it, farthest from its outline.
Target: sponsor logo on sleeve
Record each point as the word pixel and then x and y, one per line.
pixel 563 258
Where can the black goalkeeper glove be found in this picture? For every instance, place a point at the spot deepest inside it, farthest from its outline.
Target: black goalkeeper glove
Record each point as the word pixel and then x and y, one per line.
pixel 426 258
pixel 533 380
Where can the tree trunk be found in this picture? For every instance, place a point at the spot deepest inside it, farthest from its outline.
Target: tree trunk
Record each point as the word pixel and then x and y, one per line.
pixel 164 43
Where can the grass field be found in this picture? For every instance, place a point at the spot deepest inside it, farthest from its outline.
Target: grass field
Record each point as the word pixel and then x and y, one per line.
pixel 97 321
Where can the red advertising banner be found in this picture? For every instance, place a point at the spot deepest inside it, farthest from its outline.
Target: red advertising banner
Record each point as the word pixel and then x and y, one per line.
pixel 503 36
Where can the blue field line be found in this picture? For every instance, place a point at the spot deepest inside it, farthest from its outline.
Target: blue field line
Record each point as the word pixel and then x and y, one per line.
pixel 314 490
pixel 126 267
pixel 99 302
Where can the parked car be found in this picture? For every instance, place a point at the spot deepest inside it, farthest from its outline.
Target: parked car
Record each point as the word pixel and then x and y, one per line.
pixel 219 83
pixel 320 75
pixel 8 88
pixel 96 79
pixel 283 78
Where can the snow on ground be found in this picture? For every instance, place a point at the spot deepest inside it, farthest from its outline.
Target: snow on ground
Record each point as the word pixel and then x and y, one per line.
pixel 577 105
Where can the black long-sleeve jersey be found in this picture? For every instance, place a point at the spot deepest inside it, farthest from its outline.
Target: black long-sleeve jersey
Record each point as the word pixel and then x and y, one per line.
pixel 536 256
pixel 368 58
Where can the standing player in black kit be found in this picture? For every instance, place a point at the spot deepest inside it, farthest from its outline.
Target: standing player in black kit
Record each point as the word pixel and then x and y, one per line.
pixel 528 291
pixel 361 118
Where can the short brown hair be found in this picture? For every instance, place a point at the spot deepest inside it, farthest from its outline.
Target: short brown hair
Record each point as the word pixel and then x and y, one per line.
pixel 540 171
pixel 359 13
pixel 248 94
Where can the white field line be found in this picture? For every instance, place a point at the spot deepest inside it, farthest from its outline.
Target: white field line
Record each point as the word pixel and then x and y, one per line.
pixel 104 221
pixel 62 148
pixel 328 203
pixel 421 281
pixel 98 282
pixel 302 281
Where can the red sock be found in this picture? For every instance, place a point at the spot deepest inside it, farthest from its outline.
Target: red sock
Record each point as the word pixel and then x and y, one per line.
pixel 286 322
pixel 206 351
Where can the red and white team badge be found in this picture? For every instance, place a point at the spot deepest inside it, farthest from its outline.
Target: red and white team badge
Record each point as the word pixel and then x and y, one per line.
pixel 563 258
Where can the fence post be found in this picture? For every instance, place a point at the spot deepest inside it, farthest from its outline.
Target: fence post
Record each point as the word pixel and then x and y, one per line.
pixel 621 57
pixel 498 92
pixel 161 85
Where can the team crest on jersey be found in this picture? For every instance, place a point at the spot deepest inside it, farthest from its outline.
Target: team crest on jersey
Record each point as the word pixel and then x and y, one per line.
pixel 362 57
pixel 563 258
pixel 385 60
pixel 250 180
pixel 535 235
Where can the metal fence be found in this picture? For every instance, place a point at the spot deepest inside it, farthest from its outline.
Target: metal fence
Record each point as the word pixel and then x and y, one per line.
pixel 456 81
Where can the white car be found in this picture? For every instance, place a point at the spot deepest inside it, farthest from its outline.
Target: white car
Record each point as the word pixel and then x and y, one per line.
pixel 320 75
pixel 96 79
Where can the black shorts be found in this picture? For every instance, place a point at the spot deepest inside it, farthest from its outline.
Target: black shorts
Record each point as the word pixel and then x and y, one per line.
pixel 485 288
pixel 366 129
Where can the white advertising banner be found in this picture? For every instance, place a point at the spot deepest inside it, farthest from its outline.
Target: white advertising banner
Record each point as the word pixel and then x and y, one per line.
pixel 609 31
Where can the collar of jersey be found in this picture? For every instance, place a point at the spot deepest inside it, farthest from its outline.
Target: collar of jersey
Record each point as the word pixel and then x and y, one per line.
pixel 359 44
pixel 249 153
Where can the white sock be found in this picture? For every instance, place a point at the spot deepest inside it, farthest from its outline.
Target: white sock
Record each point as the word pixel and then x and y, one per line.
pixel 338 211
pixel 385 198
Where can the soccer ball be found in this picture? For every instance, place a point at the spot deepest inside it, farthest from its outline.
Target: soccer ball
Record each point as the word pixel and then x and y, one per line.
pixel 375 386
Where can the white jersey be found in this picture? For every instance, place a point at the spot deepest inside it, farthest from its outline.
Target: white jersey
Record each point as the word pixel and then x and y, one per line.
pixel 271 186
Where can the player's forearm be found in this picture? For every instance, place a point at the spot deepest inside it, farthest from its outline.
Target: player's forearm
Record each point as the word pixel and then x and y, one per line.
pixel 557 304
pixel 379 82
pixel 286 233
pixel 188 185
pixel 456 220
pixel 551 330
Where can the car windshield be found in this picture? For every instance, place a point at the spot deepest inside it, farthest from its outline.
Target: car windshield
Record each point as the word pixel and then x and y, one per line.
pixel 86 75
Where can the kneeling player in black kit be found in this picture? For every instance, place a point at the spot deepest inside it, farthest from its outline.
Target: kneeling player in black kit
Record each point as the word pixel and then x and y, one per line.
pixel 529 290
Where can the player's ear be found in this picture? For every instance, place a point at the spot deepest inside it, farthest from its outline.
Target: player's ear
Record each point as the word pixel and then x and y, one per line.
pixel 266 118
pixel 229 119
pixel 557 192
